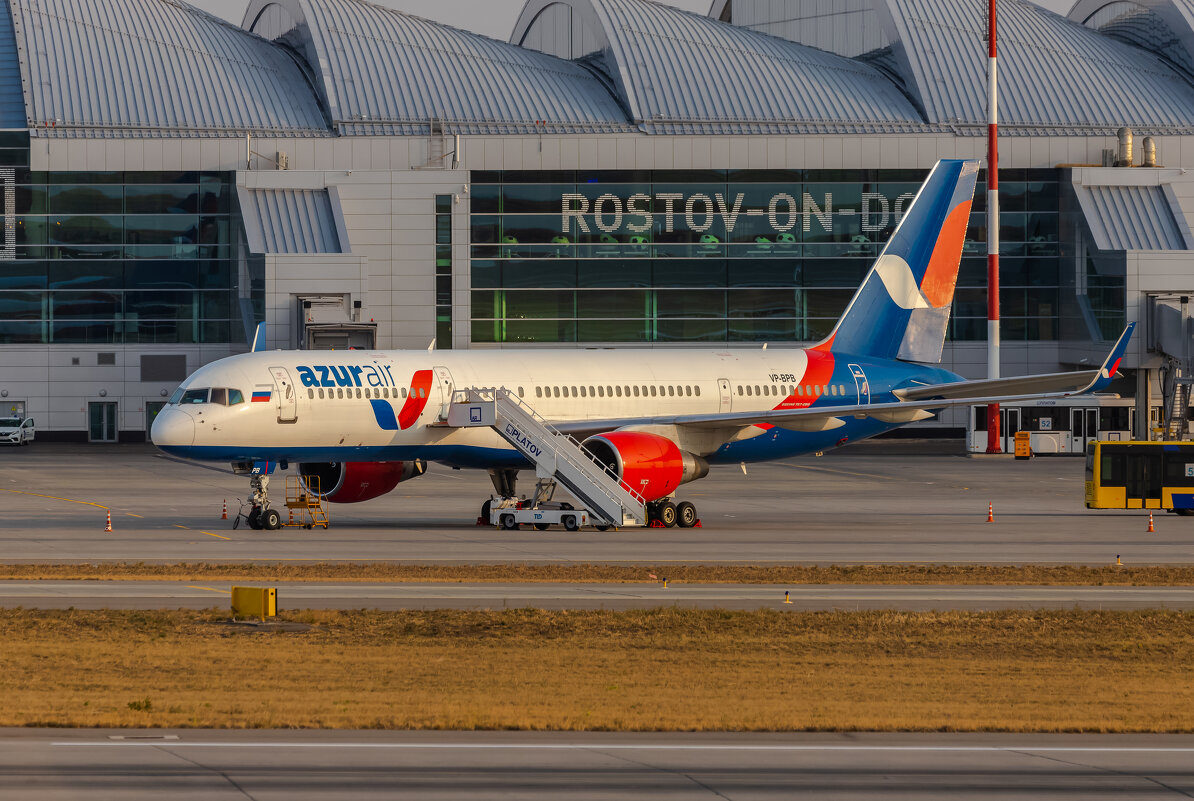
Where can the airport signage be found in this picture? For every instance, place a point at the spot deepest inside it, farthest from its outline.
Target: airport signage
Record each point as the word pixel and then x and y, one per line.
pixel 698 212
pixel 522 442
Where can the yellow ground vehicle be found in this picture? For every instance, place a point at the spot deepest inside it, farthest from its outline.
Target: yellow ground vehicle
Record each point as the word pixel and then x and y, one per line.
pixel 1140 475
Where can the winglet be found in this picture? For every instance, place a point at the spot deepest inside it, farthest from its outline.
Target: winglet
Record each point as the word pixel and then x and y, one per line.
pixel 259 338
pixel 1111 363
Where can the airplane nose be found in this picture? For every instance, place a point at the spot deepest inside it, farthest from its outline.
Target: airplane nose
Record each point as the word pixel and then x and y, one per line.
pixel 173 428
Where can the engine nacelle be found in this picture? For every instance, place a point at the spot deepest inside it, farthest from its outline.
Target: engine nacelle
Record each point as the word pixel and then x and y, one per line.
pixel 351 482
pixel 650 464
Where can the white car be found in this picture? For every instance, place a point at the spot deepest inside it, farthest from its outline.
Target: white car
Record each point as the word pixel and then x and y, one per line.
pixel 16 431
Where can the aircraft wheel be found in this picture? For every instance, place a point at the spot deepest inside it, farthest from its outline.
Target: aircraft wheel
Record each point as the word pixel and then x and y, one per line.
pixel 570 523
pixel 541 527
pixel 271 520
pixel 667 514
pixel 254 518
pixel 509 523
pixel 686 514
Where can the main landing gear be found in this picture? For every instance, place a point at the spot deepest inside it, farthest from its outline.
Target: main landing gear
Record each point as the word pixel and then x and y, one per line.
pixel 666 514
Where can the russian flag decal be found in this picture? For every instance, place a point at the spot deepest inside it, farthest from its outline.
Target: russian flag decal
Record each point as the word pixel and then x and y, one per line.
pixel 261 395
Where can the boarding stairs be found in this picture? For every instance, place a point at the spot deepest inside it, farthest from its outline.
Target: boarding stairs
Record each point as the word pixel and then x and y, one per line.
pixel 1178 410
pixel 556 455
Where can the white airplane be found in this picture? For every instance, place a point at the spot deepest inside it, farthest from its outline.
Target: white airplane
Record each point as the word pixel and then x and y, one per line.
pixel 363 421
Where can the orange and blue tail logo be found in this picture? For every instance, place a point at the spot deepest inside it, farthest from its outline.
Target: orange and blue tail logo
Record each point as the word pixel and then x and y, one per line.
pixel 902 308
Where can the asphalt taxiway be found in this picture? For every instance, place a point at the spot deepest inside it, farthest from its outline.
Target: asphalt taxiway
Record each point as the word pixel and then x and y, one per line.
pixel 869 503
pixel 53 765
pixel 485 595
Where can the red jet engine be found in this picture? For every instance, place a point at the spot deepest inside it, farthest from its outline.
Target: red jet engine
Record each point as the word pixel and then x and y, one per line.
pixel 651 465
pixel 352 482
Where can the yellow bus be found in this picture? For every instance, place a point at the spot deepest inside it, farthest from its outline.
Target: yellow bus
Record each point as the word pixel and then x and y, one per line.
pixel 1140 475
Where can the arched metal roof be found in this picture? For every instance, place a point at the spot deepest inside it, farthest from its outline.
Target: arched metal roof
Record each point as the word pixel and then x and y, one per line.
pixel 153 68
pixel 678 72
pixel 12 100
pixel 1165 27
pixel 1055 76
pixel 386 72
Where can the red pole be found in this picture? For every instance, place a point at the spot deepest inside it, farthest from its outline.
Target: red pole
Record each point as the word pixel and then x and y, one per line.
pixel 993 438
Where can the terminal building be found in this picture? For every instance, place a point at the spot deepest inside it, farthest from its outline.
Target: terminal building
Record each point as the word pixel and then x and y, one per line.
pixel 619 173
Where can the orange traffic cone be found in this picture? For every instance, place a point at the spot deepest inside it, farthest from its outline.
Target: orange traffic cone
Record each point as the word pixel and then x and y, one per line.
pixel 990 513
pixel 108 525
pixel 224 515
pixel 1151 530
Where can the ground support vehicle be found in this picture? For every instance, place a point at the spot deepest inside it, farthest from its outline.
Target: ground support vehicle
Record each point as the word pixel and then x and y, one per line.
pixel 510 514
pixel 1140 475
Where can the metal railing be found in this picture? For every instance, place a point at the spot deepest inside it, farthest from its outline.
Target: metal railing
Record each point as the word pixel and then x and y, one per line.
pixel 571 453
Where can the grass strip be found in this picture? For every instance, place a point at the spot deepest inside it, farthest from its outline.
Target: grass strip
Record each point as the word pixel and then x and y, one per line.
pixel 655 670
pixel 1151 576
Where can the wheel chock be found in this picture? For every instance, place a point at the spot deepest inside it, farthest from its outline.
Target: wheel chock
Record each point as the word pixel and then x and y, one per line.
pixel 697 524
pixel 656 524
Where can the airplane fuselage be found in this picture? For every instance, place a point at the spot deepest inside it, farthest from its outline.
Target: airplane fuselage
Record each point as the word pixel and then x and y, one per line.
pixel 351 406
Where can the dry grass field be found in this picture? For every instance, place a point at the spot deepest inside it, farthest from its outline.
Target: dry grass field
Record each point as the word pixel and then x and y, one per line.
pixel 662 669
pixel 577 573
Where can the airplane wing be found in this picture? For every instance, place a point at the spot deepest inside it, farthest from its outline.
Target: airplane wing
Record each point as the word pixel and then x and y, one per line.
pixel 917 403
pixel 1074 383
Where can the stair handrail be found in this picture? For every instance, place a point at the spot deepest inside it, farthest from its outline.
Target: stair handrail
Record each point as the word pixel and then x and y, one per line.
pixel 585 469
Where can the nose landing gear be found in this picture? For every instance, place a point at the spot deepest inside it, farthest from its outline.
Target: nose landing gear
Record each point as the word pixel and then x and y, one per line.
pixel 260 515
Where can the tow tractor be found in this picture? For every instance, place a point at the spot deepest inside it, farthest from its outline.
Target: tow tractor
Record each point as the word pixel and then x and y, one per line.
pixel 510 513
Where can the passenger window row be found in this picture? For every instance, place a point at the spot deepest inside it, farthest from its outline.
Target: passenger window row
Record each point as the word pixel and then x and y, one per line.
pixel 800 390
pixel 618 391
pixel 365 393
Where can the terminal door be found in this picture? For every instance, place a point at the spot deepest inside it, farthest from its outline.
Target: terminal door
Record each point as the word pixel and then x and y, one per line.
pixel 101 421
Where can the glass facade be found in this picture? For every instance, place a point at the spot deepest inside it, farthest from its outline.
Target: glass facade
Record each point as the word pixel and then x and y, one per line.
pixel 443 271
pixel 119 257
pixel 717 255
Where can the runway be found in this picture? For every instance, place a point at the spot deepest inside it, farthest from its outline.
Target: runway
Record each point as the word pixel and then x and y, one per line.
pixel 395 596
pixel 869 503
pixel 40 765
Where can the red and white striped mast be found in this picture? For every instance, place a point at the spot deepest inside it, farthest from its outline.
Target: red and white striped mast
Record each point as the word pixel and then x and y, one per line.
pixel 993 438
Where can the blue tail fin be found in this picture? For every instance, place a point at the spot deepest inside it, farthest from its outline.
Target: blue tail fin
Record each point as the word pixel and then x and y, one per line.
pixel 902 308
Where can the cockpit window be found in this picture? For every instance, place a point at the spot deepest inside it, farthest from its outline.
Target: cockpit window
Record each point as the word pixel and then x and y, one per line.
pixel 177 396
pixel 234 397
pixel 195 395
pixel 219 395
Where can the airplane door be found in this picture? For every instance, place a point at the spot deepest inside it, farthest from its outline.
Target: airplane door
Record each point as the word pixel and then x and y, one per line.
pixel 860 383
pixel 446 388
pixel 727 400
pixel 287 396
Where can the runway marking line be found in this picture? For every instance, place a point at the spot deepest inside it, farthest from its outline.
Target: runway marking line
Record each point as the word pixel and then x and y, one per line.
pixel 188 528
pixel 209 589
pixel 53 497
pixel 130 514
pixel 217 536
pixel 1028 749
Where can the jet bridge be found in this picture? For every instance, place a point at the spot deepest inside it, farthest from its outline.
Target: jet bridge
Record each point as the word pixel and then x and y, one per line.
pixel 556 456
